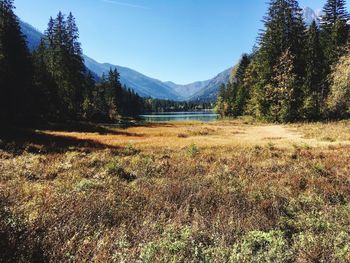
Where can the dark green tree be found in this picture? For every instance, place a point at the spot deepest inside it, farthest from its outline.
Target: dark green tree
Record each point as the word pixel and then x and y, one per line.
pixel 284 29
pixel 334 34
pixel 315 68
pixel 15 67
pixel 62 56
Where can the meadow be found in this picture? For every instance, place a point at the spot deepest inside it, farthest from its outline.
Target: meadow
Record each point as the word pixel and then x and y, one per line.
pixel 226 191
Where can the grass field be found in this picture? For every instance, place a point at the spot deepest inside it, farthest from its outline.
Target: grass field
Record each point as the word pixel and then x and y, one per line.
pixel 227 191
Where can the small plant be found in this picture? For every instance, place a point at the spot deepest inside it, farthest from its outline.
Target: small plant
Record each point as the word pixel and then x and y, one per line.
pixel 259 246
pixel 130 150
pixel 258 149
pixel 114 168
pixel 270 146
pixel 85 185
pixel 193 150
pixel 319 169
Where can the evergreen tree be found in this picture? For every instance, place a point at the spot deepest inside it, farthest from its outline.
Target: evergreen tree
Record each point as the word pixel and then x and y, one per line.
pixel 335 33
pixel 221 106
pixel 64 62
pixel 332 11
pixel 314 86
pixel 113 93
pixel 45 91
pixel 284 30
pixel 241 93
pixel 15 67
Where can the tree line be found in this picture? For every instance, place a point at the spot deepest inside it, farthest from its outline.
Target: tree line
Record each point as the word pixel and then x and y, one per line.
pixel 52 83
pixel 296 72
pixel 158 105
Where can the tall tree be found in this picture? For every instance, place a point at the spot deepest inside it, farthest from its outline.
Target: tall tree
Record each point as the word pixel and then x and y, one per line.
pixel 284 29
pixel 15 66
pixel 315 68
pixel 335 33
pixel 65 64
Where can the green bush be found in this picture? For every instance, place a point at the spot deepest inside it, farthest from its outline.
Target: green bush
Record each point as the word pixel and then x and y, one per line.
pixel 193 150
pixel 260 247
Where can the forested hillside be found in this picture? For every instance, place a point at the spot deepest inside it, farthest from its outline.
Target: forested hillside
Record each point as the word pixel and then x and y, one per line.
pixel 298 72
pixel 52 82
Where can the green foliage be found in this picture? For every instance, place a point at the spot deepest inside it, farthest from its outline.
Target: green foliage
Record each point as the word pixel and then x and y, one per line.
pixel 339 99
pixel 334 29
pixel 15 68
pixel 130 150
pixel 173 246
pixel 233 97
pixel 193 150
pixel 259 246
pixel 290 75
pixel 314 84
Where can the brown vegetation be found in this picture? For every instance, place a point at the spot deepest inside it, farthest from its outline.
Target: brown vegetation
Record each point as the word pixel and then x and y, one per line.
pixel 185 192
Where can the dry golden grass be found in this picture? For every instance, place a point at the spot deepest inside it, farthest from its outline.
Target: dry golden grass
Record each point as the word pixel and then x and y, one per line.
pixel 208 135
pixel 227 191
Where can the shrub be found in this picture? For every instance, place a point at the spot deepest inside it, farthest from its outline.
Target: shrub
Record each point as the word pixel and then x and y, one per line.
pixel 130 150
pixel 259 247
pixel 193 150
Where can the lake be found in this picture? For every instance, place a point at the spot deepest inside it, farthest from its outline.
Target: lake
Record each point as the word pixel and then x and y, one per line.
pixel 180 116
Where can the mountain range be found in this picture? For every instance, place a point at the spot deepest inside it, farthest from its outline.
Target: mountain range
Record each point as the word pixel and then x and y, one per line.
pixel 140 83
pixel 149 87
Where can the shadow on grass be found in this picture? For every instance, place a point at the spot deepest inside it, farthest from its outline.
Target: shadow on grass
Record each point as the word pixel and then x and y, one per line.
pixel 17 140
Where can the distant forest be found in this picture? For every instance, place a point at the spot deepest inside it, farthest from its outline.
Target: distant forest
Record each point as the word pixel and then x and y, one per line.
pixel 296 72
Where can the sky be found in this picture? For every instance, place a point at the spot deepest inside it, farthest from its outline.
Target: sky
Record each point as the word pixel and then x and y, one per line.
pixel 172 40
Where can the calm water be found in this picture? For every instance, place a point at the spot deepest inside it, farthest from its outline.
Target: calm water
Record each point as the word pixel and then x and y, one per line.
pixel 180 116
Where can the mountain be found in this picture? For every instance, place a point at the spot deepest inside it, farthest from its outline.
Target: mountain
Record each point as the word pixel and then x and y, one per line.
pixel 188 90
pixel 210 92
pixel 33 35
pixel 310 15
pixel 143 85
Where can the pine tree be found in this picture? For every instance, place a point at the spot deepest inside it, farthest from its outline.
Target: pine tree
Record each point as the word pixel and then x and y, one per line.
pixel 221 106
pixel 284 30
pixel 64 62
pixel 241 92
pixel 332 11
pixel 45 89
pixel 335 31
pixel 15 67
pixel 314 86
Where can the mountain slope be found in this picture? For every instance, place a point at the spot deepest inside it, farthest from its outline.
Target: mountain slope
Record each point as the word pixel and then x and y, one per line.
pixel 188 90
pixel 210 92
pixel 143 85
pixel 33 35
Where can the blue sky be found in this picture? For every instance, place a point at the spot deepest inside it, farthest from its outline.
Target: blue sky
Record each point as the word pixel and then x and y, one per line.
pixel 177 40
